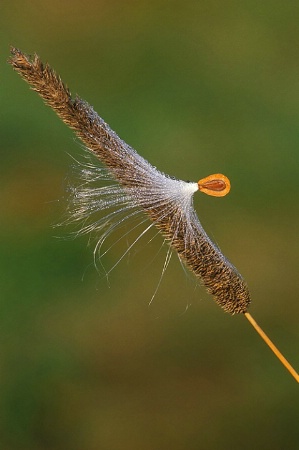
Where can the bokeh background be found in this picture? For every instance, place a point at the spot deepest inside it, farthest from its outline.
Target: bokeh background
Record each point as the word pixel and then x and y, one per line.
pixel 197 87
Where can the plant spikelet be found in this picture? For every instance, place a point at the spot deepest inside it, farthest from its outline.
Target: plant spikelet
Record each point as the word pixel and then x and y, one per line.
pixel 168 202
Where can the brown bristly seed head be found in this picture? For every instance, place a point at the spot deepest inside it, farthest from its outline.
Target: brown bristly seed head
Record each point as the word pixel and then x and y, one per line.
pixel 167 201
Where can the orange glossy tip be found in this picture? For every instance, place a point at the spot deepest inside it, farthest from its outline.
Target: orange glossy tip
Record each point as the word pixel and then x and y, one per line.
pixel 217 185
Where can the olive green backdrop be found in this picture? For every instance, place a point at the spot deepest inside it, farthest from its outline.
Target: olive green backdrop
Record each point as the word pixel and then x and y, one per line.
pixel 197 87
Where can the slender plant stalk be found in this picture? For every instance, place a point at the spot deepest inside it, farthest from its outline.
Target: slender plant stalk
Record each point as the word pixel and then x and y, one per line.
pixel 273 347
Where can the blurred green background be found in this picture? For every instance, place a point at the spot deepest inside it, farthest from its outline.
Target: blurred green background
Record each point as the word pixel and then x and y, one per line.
pixel 197 87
